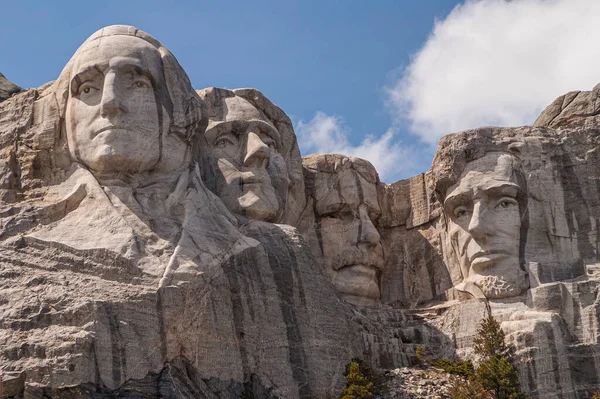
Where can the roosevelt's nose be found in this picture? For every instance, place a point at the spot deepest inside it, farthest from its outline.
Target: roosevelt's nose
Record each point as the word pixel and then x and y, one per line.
pixel 257 152
pixel 477 225
pixel 112 101
pixel 368 234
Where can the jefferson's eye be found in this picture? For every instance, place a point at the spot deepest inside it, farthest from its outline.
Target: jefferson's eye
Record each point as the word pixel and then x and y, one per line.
pixel 269 141
pixel 223 142
pixel 86 90
pixel 460 212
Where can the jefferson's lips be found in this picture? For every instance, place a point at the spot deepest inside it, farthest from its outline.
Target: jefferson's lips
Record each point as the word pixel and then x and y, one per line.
pixel 253 180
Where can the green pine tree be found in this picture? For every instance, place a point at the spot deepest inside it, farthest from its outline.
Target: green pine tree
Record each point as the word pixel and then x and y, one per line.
pixel 500 377
pixel 461 388
pixel 489 341
pixel 357 385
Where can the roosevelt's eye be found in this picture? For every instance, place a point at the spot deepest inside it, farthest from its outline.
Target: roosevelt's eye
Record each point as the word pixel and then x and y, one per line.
pixel 342 214
pixel 141 84
pixel 460 212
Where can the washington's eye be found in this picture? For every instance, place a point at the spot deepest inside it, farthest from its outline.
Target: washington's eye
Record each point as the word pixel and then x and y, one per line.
pixel 460 212
pixel 85 88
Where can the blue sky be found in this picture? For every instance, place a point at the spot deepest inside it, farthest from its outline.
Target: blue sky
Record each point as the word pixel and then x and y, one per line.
pixel 367 78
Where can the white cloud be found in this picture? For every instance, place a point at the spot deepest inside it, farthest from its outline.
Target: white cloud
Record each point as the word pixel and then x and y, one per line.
pixel 496 62
pixel 327 134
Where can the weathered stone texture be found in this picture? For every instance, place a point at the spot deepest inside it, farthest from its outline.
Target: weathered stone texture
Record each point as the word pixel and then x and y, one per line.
pixel 7 88
pixel 161 269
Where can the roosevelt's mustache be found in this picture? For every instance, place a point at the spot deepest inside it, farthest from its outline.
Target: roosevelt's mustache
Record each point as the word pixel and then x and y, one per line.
pixel 371 256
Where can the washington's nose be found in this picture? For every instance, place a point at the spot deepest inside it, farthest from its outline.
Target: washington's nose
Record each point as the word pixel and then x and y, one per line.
pixel 368 233
pixel 257 152
pixel 477 226
pixel 111 102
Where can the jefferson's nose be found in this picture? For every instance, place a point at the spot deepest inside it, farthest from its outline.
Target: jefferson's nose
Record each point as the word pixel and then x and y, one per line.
pixel 257 152
pixel 477 225
pixel 112 102
pixel 368 233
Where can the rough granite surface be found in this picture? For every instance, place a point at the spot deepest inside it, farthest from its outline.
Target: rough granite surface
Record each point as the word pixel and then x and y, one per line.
pixel 210 261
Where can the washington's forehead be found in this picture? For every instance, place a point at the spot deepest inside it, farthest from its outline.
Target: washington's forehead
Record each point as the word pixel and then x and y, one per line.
pixel 103 50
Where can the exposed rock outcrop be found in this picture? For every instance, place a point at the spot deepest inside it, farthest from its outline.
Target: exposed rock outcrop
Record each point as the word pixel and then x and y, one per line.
pixel 141 251
pixel 7 88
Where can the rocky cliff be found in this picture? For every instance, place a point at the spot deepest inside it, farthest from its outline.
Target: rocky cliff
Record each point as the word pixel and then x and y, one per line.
pixel 7 88
pixel 161 241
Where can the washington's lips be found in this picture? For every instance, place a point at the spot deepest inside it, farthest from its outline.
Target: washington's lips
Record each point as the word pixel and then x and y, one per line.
pixel 487 255
pixel 104 129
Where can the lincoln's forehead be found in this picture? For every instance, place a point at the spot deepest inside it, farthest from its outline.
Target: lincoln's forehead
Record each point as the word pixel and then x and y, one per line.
pixel 494 170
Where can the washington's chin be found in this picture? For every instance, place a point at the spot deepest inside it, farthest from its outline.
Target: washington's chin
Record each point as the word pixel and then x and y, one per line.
pixel 106 160
pixel 358 285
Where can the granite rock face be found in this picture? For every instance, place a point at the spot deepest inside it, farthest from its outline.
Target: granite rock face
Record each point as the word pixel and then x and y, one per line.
pixel 157 241
pixel 7 88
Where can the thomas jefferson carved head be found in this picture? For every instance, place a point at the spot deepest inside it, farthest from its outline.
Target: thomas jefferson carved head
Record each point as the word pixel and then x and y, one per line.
pixel 342 232
pixel 250 156
pixel 127 104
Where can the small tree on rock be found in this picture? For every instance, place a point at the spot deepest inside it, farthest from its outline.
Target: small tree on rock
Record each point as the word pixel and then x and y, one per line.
pixel 500 377
pixel 496 373
pixel 490 340
pixel 358 386
pixel 463 388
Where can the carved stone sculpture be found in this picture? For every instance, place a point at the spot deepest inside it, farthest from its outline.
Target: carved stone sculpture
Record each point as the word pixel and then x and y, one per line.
pixel 250 156
pixel 144 254
pixel 484 209
pixel 339 224
pixel 144 279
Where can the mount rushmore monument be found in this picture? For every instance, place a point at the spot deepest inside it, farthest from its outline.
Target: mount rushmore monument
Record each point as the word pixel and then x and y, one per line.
pixel 162 241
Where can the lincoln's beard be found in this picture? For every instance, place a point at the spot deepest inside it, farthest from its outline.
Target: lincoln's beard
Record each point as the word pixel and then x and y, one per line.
pixel 502 283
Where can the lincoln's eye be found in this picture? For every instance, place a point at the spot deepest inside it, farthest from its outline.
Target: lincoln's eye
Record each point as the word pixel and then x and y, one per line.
pixel 506 203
